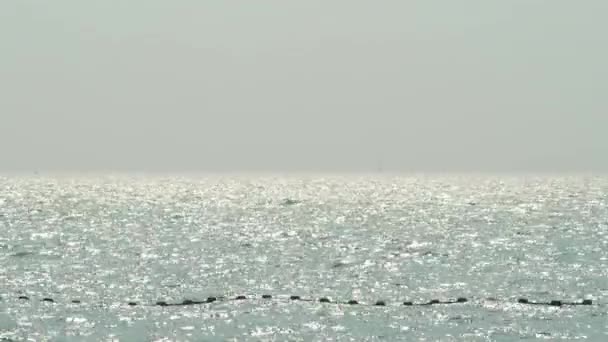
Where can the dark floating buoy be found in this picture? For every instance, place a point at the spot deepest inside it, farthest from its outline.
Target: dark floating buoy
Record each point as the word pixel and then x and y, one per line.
pixel 162 303
pixel 211 299
pixel 241 297
pixel 75 301
pixel 295 298
pixel 587 302
pixel 556 303
pixel 132 304
pixel 461 300
pixel 48 300
pixel 380 303
pixel 267 296
pixel 408 303
pixel 24 297
pixel 352 302
pixel 523 301
pixel 324 300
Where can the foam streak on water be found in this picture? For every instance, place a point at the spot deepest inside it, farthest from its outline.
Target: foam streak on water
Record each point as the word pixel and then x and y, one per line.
pixel 107 241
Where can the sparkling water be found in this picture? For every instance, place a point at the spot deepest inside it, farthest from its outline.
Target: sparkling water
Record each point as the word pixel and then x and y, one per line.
pixel 94 244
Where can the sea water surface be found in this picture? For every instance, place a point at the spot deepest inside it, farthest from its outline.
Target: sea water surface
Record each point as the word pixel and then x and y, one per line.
pixel 106 241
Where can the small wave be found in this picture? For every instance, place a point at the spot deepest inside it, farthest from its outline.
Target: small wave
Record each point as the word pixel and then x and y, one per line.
pixel 289 201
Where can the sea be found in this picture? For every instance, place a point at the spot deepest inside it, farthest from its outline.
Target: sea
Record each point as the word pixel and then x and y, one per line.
pixel 436 257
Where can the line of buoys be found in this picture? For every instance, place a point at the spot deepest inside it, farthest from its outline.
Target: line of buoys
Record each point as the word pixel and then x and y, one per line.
pixel 555 302
pixel 326 300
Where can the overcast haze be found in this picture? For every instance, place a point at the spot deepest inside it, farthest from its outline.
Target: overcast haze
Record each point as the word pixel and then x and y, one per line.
pixel 315 85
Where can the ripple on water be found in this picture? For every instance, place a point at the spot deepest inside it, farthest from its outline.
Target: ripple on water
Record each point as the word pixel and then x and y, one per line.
pixel 109 241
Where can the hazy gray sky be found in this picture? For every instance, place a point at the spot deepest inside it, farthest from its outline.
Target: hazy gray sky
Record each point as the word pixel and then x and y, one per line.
pixel 303 85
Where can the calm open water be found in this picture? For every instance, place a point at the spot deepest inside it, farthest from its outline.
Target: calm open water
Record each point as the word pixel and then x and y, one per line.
pixel 108 241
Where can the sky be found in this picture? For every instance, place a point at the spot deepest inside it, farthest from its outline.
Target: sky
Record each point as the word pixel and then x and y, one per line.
pixel 315 85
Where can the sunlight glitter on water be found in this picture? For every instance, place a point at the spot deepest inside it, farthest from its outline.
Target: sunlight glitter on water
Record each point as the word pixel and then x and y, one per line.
pixel 109 241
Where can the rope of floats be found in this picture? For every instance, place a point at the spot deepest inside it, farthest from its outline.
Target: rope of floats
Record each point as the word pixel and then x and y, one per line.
pixel 327 300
